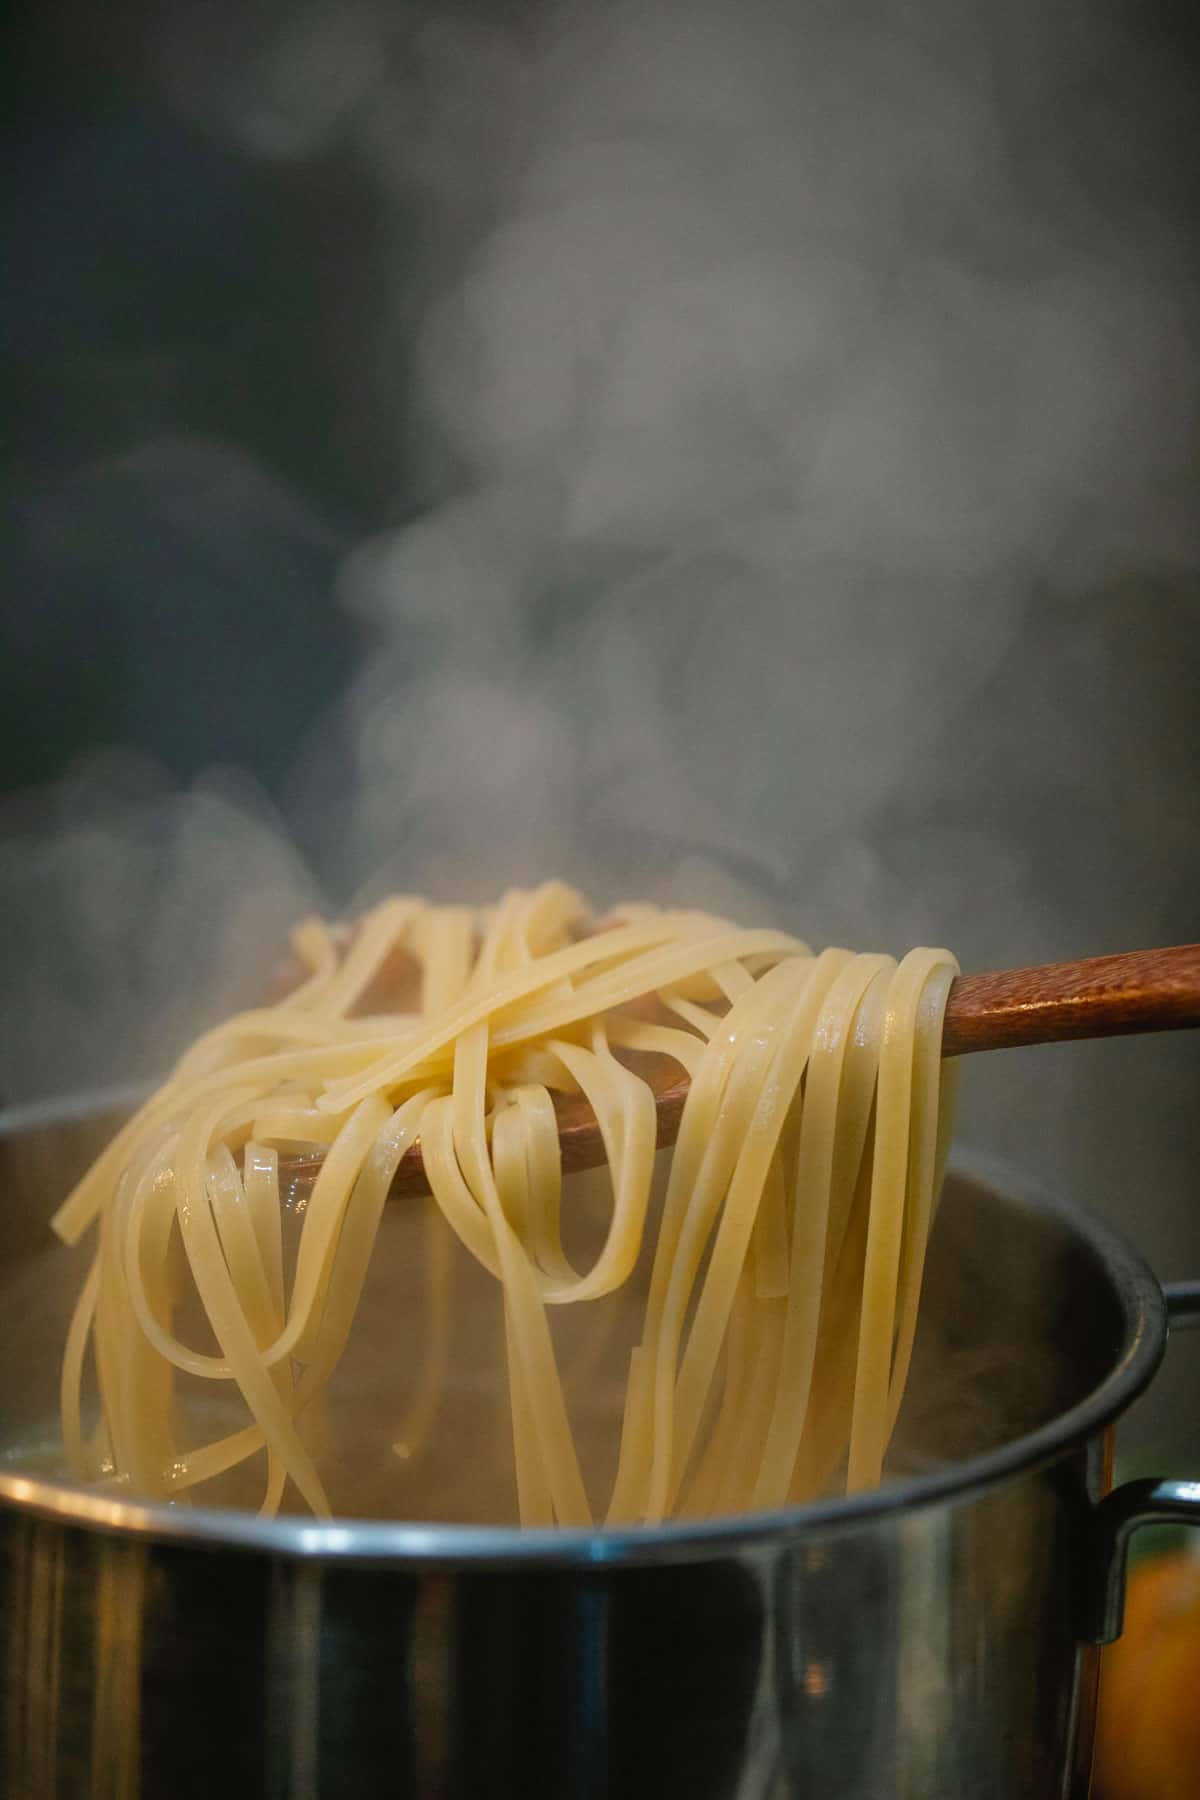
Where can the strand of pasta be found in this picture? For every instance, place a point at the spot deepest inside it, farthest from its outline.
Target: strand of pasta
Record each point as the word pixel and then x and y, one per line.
pixel 360 1224
pixel 761 1114
pixel 890 1208
pixel 813 1188
pixel 786 1275
pixel 701 1166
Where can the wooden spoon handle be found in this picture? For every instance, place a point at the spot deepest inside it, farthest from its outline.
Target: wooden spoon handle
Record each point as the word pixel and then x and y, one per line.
pixel 1103 996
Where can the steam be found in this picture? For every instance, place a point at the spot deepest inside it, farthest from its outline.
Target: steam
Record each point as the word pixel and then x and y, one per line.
pixel 133 914
pixel 802 397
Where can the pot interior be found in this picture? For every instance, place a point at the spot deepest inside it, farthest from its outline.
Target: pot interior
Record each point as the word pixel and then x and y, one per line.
pixel 1023 1317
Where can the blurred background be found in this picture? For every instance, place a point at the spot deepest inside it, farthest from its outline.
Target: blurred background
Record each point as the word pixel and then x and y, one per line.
pixel 737 450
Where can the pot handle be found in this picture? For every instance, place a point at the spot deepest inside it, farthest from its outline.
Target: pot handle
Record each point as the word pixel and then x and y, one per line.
pixel 1136 1503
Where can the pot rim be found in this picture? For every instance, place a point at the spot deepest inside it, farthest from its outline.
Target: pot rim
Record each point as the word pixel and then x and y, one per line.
pixel 1138 1295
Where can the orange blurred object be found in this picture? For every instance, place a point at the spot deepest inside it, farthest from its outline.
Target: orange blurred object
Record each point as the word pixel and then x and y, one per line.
pixel 1148 1733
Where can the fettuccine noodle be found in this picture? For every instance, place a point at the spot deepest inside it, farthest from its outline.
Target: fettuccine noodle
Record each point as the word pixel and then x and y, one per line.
pixel 784 1264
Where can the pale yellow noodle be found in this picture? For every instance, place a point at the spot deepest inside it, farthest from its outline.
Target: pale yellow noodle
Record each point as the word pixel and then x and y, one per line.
pixel 78 1461
pixel 890 1202
pixel 785 1265
pixel 813 1180
pixel 759 1140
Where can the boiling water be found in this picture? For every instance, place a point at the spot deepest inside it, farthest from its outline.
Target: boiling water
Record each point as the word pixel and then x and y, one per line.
pixel 416 1424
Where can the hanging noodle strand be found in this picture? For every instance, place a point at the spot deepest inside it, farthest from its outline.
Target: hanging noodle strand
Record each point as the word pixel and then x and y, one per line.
pixel 784 1264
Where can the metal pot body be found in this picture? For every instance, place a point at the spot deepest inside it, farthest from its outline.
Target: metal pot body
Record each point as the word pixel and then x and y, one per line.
pixel 929 1653
pixel 926 1641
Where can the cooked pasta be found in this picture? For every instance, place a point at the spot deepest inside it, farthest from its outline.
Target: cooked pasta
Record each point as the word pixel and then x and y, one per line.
pixel 783 1267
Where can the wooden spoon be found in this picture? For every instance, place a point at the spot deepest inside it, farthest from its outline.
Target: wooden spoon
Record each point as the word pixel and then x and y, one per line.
pixel 1103 996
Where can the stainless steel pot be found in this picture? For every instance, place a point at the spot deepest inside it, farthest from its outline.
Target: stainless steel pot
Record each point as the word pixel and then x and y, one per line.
pixel 937 1639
